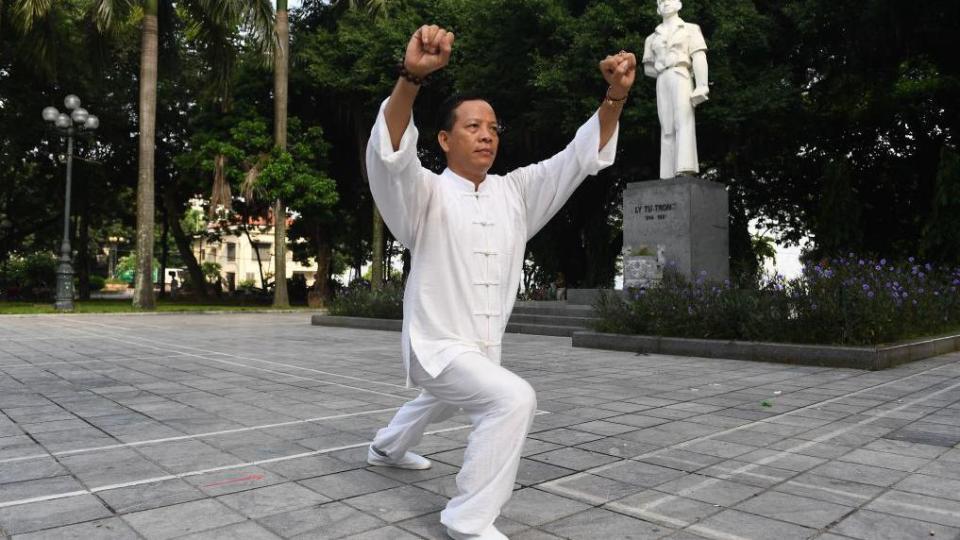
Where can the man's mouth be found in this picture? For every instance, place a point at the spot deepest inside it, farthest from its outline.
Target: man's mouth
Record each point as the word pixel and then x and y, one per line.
pixel 485 152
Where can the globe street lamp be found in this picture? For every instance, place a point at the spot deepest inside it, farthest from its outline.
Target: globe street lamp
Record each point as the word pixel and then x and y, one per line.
pixel 78 121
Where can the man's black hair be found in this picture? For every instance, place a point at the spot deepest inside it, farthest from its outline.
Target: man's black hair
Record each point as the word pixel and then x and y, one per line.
pixel 448 109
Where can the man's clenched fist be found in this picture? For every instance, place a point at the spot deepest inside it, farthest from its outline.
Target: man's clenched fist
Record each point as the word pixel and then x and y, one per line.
pixel 428 50
pixel 619 70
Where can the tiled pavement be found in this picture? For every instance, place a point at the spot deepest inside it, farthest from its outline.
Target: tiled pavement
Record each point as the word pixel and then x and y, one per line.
pixel 250 426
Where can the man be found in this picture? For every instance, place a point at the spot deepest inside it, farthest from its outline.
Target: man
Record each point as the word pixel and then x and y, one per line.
pixel 669 55
pixel 467 231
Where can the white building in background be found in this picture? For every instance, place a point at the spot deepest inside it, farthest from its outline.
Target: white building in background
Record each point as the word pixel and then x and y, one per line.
pixel 237 256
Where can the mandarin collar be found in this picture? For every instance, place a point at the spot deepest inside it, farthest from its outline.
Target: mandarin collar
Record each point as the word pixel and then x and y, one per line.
pixel 661 29
pixel 462 184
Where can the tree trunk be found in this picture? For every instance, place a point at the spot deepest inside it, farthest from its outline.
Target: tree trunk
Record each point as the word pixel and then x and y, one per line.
pixel 280 296
pixel 83 252
pixel 376 265
pixel 253 246
pixel 184 245
pixel 165 253
pixel 143 297
pixel 324 256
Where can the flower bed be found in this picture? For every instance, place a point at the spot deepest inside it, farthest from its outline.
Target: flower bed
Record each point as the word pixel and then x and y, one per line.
pixel 361 301
pixel 840 301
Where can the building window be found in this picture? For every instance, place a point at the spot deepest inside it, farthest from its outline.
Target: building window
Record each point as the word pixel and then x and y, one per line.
pixel 231 251
pixel 212 255
pixel 263 249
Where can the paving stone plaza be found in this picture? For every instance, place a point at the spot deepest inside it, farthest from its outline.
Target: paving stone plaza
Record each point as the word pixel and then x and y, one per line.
pixel 248 426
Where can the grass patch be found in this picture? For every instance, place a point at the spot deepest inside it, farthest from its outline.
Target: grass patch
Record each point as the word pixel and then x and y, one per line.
pixel 126 306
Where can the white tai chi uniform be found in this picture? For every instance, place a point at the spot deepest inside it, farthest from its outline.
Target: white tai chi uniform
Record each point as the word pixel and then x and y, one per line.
pixel 467 246
pixel 670 53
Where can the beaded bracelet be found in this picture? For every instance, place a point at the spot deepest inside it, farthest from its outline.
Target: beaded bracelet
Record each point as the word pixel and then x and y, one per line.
pixel 410 77
pixel 607 97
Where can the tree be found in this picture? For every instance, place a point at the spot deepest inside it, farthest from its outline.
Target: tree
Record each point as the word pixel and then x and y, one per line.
pixel 280 81
pixel 216 21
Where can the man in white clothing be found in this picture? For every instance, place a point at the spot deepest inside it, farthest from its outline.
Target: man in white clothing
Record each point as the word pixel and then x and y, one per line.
pixel 467 232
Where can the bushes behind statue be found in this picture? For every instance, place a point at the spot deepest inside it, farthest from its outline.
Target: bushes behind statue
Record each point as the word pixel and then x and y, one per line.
pixel 843 301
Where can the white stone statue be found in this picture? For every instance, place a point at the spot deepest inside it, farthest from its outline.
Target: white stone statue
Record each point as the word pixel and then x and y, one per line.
pixel 675 55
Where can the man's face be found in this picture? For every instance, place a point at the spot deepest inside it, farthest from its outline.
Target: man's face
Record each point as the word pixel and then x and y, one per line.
pixel 471 145
pixel 668 7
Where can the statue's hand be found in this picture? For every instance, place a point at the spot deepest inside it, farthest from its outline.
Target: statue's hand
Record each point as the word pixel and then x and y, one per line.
pixel 700 95
pixel 428 50
pixel 619 70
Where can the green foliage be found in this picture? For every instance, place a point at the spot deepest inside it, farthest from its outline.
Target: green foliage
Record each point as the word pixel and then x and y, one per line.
pixel 295 176
pixel 836 119
pixel 29 277
pixel 97 283
pixel 211 271
pixel 940 240
pixel 361 301
pixel 844 301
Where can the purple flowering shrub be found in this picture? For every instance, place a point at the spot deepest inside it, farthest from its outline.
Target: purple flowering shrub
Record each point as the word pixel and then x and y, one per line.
pixel 845 300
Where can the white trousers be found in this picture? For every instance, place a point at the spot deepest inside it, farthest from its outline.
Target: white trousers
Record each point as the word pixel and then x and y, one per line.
pixel 678 132
pixel 500 406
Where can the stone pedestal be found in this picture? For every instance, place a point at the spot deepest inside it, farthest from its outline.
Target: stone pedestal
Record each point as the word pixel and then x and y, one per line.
pixel 683 219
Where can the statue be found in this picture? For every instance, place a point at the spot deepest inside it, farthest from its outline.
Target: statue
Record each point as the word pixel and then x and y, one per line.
pixel 675 55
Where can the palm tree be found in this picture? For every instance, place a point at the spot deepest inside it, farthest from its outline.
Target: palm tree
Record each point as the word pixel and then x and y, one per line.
pixel 147 116
pixel 280 83
pixel 216 22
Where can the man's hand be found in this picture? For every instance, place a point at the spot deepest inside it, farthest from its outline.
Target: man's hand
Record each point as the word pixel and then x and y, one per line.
pixel 428 50
pixel 699 95
pixel 619 70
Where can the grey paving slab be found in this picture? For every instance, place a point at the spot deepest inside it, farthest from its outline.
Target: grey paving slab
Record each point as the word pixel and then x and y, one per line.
pixel 868 525
pixel 744 525
pixel 920 507
pixel 51 514
pixel 445 486
pixel 399 503
pixel 383 533
pixel 428 526
pixel 877 444
pixel 246 530
pixel 182 519
pixel 591 489
pixel 265 501
pixel 148 496
pixel 640 474
pixel 811 513
pixel 663 508
pixel 350 483
pixel 534 507
pixel 332 520
pixel 574 458
pixel 600 523
pixel 101 529
pixel 38 488
pixel 709 489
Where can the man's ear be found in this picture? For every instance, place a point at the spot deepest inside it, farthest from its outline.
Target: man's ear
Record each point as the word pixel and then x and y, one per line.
pixel 444 139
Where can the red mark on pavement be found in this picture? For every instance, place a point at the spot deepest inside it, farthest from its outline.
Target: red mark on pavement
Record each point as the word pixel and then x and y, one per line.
pixel 248 478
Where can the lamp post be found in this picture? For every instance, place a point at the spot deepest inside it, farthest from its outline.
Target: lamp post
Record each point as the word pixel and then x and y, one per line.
pixel 79 120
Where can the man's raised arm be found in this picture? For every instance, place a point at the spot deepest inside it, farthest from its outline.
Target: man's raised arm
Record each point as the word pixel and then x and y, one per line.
pixel 427 51
pixel 619 70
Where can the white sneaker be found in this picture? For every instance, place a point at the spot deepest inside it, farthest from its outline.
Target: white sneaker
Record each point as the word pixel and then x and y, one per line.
pixel 490 534
pixel 408 461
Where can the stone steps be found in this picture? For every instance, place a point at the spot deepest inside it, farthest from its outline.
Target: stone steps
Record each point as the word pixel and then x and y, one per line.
pixel 550 318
